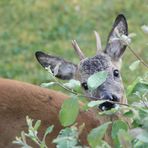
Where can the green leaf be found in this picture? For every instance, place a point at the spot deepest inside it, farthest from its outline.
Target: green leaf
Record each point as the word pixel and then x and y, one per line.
pixel 134 65
pixel 67 138
pixel 143 113
pixel 139 144
pixel 29 122
pixel 37 125
pixel 139 85
pixel 48 84
pixel 23 137
pixel 109 112
pixel 129 114
pixel 96 79
pixel 72 84
pixel 49 130
pixel 69 111
pixel 104 144
pixel 117 125
pixel 143 136
pixel 124 139
pixel 95 103
pixel 95 136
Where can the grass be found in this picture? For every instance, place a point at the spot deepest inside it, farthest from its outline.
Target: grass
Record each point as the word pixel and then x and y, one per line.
pixel 28 26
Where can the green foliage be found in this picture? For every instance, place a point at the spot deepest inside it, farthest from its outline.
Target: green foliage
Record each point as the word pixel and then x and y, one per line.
pixel 73 84
pixel 96 135
pixel 124 139
pixel 69 111
pixel 68 138
pixel 95 80
pixel 32 134
pixel 95 103
pixel 112 111
pixel 123 136
pixel 47 85
pixel 117 126
pixel 138 89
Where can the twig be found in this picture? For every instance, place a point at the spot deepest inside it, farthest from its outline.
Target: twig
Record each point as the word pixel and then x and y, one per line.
pixel 85 96
pixel 139 58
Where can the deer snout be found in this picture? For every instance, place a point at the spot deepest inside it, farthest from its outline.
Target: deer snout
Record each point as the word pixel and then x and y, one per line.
pixel 110 97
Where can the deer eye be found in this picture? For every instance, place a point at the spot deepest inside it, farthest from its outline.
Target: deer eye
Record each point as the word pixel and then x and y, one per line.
pixel 116 73
pixel 84 85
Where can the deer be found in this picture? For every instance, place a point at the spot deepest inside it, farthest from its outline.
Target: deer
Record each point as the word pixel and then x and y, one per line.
pixel 19 99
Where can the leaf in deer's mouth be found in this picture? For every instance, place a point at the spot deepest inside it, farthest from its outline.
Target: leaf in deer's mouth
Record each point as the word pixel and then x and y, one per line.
pixel 107 106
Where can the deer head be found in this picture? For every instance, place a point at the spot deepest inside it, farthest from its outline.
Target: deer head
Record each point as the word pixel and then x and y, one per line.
pixel 108 60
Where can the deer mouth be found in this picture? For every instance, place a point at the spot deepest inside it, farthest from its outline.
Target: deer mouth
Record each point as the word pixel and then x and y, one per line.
pixel 109 105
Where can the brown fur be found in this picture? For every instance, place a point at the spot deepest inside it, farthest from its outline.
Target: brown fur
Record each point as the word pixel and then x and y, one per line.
pixel 19 99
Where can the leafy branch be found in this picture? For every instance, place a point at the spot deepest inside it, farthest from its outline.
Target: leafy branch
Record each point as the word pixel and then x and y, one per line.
pixel 32 134
pixel 92 79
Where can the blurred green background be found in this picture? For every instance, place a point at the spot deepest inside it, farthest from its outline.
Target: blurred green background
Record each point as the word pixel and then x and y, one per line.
pixel 30 25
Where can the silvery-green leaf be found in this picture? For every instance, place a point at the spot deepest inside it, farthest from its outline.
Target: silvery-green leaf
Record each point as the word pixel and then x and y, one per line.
pixel 134 65
pixel 95 80
pixel 48 84
pixel 73 84
pixel 109 112
pixel 68 138
pixel 37 125
pixel 23 137
pixel 29 121
pixel 95 103
pixel 49 129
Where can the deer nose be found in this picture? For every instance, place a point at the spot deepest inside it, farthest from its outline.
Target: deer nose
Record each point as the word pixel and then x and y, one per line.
pixel 110 97
pixel 108 105
pixel 115 98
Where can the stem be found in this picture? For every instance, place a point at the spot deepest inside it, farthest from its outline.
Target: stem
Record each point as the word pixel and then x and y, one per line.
pixel 37 141
pixel 94 98
pixel 139 58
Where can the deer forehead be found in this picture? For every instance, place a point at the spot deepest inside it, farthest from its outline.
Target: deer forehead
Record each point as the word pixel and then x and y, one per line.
pixel 95 64
pixel 100 62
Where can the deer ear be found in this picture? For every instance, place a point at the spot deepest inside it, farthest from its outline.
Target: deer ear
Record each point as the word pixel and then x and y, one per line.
pixel 64 70
pixel 115 47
